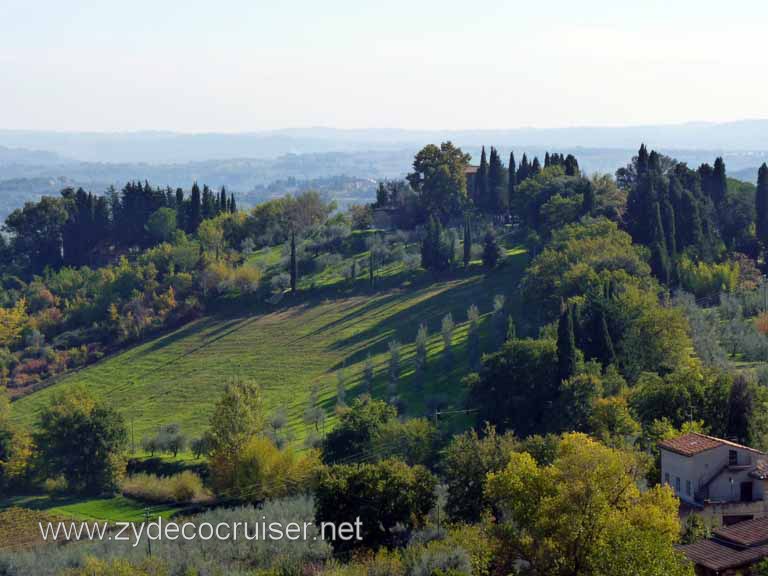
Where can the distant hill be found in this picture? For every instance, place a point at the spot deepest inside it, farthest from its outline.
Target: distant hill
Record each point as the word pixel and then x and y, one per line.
pixel 171 147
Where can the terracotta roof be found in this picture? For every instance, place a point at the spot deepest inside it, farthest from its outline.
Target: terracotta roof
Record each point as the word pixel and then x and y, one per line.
pixel 469 169
pixel 694 443
pixel 690 444
pixel 717 556
pixel 746 533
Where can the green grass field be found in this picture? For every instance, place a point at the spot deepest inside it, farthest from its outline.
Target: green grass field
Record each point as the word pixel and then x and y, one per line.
pixel 177 378
pixel 116 508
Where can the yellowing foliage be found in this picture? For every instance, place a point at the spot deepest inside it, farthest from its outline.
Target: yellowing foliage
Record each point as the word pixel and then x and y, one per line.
pixel 12 321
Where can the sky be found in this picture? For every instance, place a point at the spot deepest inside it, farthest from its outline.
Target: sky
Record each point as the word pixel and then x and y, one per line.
pixel 251 65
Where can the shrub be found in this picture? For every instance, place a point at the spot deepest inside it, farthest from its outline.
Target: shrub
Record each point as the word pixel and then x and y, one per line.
pixel 438 559
pixel 181 488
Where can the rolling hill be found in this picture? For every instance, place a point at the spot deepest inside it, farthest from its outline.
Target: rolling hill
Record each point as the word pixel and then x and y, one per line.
pixel 177 377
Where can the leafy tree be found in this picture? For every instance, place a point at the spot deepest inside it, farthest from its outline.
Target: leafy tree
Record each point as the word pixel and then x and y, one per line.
pixel 353 437
pixel 467 460
pixel 313 414
pixel 36 233
pixel 161 225
pixel 577 398
pixel 383 496
pixel 237 418
pixel 438 178
pixel 82 440
pixel 625 531
pixel 612 423
pixel 518 386
pixel 414 441
pixel 12 322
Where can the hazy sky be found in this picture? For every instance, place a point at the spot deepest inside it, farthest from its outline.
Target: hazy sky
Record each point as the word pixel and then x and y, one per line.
pixel 242 65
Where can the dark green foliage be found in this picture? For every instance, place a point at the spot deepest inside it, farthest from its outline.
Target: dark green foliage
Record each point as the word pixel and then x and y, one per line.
pixel 517 386
pixel 761 206
pixel 83 441
pixel 438 178
pixel 741 407
pixel 435 248
pixel 491 250
pixel 467 460
pixel 351 440
pixel 482 194
pixel 384 496
pixel 497 201
pixel 511 179
pixel 566 344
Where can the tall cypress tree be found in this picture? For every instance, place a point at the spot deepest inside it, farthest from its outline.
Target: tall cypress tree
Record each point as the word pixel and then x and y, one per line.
pixel 195 209
pixel 511 180
pixel 482 182
pixel 761 206
pixel 566 344
pixel 719 182
pixel 497 186
pixel 232 205
pixel 609 352
pixel 222 200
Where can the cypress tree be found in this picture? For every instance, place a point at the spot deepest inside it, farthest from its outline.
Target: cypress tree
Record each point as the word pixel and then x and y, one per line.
pixel 547 162
pixel 232 205
pixel 719 182
pixel 588 203
pixel 294 264
pixel 497 185
pixel 523 169
pixel 535 167
pixel 642 160
pixel 571 165
pixel 566 344
pixel 482 182
pixel 761 205
pixel 511 179
pixel 608 351
pixel 195 209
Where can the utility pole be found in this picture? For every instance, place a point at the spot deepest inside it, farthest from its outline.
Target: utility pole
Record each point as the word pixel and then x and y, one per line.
pixel 146 524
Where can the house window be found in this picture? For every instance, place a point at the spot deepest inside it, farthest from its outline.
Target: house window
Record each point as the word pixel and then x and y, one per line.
pixel 733 457
pixel 666 479
pixel 677 484
pixel 688 487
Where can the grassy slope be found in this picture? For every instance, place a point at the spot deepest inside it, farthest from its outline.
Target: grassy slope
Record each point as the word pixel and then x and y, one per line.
pixel 288 347
pixel 117 508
